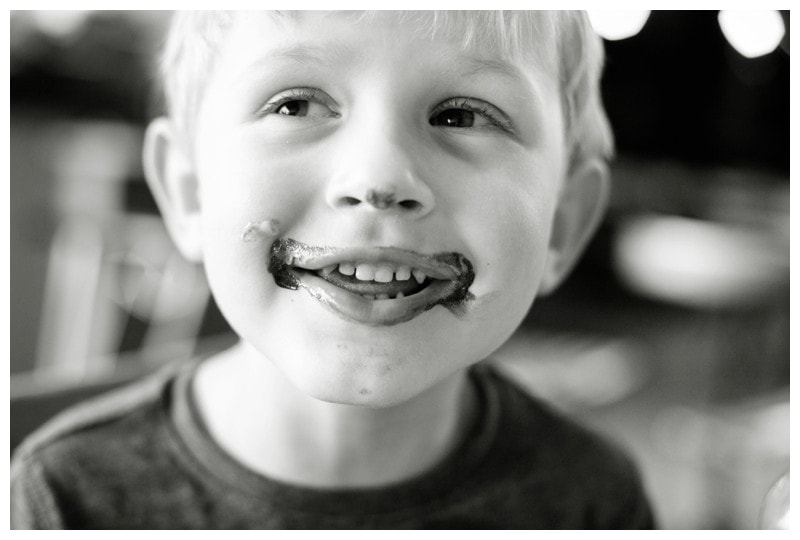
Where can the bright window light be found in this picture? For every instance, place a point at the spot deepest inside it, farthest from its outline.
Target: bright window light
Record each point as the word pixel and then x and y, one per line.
pixel 752 33
pixel 616 25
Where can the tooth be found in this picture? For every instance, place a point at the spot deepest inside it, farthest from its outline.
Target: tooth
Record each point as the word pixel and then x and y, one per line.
pixel 382 296
pixel 365 272
pixel 347 269
pixel 400 295
pixel 328 269
pixel 290 260
pixel 419 275
pixel 368 296
pixel 384 274
pixel 403 273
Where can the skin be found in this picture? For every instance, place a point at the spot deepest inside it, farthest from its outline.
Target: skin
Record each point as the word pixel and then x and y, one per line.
pixel 380 199
pixel 362 405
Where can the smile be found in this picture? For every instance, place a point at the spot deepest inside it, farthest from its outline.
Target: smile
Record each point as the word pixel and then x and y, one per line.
pixel 377 286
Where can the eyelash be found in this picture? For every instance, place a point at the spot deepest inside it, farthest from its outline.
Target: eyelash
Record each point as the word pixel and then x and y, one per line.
pixel 494 115
pixel 295 94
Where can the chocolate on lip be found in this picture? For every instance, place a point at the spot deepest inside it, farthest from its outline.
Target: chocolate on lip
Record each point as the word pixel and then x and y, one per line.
pixel 449 276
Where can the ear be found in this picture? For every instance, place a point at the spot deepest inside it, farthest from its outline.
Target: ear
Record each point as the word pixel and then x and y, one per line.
pixel 173 182
pixel 580 209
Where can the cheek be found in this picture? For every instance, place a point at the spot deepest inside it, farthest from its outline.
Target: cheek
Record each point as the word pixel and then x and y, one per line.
pixel 510 254
pixel 510 230
pixel 507 224
pixel 240 185
pixel 243 180
pixel 511 264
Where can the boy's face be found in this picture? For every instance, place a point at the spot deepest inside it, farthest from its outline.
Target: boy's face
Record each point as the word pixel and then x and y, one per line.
pixel 362 136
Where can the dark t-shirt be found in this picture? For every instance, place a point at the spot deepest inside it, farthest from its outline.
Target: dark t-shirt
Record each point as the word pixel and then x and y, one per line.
pixel 141 457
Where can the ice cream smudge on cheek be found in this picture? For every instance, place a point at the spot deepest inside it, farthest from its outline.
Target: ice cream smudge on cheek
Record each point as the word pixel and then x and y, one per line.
pixel 261 230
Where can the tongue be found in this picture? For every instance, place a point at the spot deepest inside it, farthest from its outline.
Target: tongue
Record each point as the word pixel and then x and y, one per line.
pixel 350 283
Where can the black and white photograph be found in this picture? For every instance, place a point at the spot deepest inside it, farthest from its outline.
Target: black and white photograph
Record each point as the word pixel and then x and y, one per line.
pixel 399 270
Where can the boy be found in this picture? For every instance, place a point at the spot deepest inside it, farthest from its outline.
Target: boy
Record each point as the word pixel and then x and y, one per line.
pixel 377 199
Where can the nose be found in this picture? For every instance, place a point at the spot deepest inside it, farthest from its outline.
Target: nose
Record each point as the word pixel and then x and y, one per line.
pixel 376 171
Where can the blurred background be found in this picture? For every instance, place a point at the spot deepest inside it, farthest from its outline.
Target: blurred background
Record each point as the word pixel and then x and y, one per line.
pixel 672 335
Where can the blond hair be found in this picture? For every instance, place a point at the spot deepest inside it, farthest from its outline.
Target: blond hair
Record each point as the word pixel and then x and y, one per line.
pixel 195 36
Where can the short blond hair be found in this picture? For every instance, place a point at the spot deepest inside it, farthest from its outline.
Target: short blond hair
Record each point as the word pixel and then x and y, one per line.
pixel 195 36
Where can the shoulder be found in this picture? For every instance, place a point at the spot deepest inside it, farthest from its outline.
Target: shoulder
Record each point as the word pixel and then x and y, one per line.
pixel 587 474
pixel 86 445
pixel 101 412
pixel 540 427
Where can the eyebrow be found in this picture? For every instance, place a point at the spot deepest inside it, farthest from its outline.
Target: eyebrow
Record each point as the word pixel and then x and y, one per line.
pixel 474 66
pixel 332 53
pixel 306 54
pixel 321 56
pixel 477 66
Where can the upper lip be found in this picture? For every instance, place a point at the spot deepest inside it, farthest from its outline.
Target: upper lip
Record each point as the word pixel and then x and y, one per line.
pixel 445 265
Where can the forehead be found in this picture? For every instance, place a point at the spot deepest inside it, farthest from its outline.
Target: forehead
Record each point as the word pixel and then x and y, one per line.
pixel 503 41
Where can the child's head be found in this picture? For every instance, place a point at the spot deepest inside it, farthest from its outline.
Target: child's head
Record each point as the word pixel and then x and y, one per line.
pixel 367 150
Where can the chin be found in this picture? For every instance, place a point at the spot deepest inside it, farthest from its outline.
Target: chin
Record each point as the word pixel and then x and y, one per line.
pixel 369 400
pixel 377 396
pixel 374 382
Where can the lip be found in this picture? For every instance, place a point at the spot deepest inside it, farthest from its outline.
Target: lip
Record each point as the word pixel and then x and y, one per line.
pixel 292 263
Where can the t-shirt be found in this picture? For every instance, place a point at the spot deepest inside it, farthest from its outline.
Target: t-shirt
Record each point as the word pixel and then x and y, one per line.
pixel 141 458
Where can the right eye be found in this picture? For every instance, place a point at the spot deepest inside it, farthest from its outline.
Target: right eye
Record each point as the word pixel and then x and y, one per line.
pixel 300 103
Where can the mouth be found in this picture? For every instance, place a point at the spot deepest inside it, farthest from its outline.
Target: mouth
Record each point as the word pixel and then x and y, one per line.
pixel 378 286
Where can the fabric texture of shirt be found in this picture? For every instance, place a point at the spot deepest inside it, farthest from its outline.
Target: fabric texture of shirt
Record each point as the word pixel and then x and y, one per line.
pixel 141 458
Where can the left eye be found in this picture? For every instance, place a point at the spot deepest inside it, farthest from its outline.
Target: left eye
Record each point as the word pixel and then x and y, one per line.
pixel 469 113
pixel 459 118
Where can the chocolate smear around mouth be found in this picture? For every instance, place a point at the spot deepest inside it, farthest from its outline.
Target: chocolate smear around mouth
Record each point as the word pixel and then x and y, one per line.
pixel 288 276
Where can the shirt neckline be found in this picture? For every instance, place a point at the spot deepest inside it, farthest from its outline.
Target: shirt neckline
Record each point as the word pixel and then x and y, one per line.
pixel 215 465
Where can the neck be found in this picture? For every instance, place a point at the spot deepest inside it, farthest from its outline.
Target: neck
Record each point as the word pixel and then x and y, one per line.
pixel 275 430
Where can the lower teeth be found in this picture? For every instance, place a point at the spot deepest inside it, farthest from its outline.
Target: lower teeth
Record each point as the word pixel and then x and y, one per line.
pixel 382 296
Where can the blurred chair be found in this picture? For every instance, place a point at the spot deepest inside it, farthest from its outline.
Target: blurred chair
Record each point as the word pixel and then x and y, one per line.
pixel 118 299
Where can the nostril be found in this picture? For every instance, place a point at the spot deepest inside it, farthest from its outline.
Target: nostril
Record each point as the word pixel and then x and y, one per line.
pixel 350 201
pixel 409 204
pixel 380 201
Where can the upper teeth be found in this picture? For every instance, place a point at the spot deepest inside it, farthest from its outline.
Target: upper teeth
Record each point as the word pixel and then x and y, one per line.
pixel 381 272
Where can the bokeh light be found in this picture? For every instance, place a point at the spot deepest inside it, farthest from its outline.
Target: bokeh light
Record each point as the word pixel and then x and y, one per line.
pixel 752 33
pixel 616 25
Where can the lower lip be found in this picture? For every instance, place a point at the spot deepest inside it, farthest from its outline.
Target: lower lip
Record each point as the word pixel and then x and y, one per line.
pixel 355 307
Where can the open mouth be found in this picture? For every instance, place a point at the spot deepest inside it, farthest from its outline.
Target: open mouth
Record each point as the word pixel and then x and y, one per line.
pixel 377 286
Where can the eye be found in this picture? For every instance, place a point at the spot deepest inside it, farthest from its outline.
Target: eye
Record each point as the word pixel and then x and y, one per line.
pixel 470 113
pixel 300 103
pixel 460 118
pixel 293 108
